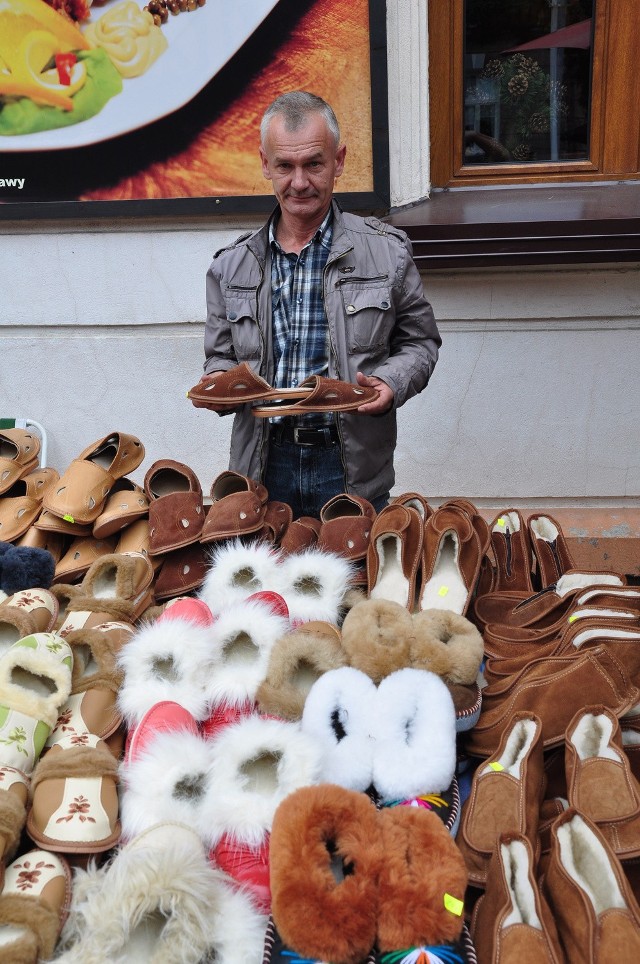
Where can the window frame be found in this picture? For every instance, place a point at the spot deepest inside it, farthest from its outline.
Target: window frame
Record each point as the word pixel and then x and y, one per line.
pixel 614 121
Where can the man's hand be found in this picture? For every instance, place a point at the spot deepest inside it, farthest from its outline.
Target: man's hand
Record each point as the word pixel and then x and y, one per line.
pixel 212 408
pixel 382 403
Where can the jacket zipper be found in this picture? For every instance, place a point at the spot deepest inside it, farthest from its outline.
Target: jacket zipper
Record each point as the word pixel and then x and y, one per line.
pixel 329 264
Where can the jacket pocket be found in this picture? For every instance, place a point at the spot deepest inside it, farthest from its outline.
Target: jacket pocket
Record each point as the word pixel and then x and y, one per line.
pixel 241 308
pixel 367 307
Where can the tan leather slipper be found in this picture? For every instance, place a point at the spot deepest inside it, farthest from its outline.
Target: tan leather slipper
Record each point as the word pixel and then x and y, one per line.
pixel 126 503
pixel 19 450
pixel 21 504
pixel 81 493
pixel 81 554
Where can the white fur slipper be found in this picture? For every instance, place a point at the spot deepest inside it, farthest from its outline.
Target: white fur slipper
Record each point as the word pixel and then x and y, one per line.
pixel 159 901
pixel 314 585
pixel 164 661
pixel 339 714
pixel 237 571
pixel 166 781
pixel 241 641
pixel 255 764
pixel 415 736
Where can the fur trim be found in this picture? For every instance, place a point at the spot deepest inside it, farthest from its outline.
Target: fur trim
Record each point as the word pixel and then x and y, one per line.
pixel 352 597
pixel 339 714
pixel 586 859
pixel 113 577
pixel 237 570
pixel 111 608
pixel 36 679
pixel 325 864
pixel 14 624
pixel 376 636
pixel 572 580
pixel 241 642
pixel 13 816
pixel 297 660
pixel 74 762
pixel 167 781
pixel 158 901
pixel 414 727
pixel 314 584
pixel 255 764
pixel 41 926
pixel 446 644
pixel 160 665
pixel 94 660
pixel 421 864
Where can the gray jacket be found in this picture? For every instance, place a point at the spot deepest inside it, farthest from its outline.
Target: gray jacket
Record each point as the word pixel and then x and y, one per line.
pixel 380 323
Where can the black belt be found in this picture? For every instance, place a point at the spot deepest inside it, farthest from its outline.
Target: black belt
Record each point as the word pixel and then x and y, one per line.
pixel 301 435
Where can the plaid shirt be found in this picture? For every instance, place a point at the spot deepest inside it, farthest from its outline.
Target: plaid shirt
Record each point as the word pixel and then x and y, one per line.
pixel 300 332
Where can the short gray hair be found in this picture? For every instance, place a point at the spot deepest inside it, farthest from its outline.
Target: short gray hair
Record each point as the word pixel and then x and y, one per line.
pixel 295 107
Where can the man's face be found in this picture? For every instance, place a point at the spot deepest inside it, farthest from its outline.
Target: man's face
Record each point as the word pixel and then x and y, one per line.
pixel 302 166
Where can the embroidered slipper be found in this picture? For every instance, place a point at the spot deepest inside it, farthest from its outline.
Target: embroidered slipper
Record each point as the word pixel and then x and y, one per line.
pixel 237 508
pixel 241 640
pixel 159 900
pixel 35 681
pixel 176 511
pixel 376 636
pixel 237 570
pixel 414 733
pixel 237 386
pixel 297 660
pixel 326 860
pixel 314 584
pixel 80 556
pixel 19 451
pixel 255 764
pixel 14 794
pixel 80 494
pixel 394 555
pixel 163 661
pixel 21 505
pixel 277 952
pixel 95 683
pixel 422 881
pixel 125 503
pixel 339 715
pixel 322 395
pixel 33 906
pixel 74 797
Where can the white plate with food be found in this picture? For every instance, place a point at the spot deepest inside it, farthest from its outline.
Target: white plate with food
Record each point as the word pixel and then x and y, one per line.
pixel 197 44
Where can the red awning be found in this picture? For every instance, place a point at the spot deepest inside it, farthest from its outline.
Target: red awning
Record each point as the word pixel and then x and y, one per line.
pixel 576 35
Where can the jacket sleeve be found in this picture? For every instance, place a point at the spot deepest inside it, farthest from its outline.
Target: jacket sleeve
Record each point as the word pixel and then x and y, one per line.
pixel 218 345
pixel 415 339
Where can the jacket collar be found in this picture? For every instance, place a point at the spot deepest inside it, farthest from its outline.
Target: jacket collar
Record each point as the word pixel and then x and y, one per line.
pixel 258 244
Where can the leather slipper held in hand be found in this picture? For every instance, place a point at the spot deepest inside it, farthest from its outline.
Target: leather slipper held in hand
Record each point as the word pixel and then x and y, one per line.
pixel 237 386
pixel 321 395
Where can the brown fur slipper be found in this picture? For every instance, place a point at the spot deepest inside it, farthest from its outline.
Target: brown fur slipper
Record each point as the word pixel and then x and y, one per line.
pixel 120 583
pixel 325 862
pixel 377 636
pixel 74 797
pixel 446 644
pixel 422 881
pixel 13 813
pixel 33 907
pixel 296 661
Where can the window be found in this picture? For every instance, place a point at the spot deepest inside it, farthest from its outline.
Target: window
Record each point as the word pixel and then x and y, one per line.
pixel 523 91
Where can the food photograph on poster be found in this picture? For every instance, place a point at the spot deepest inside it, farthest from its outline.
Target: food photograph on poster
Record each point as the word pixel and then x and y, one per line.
pixel 154 100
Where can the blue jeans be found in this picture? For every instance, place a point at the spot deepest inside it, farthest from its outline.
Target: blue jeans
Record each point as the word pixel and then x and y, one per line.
pixel 306 477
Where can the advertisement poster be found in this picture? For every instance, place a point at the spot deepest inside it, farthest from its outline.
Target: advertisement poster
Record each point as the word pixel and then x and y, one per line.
pixel 105 106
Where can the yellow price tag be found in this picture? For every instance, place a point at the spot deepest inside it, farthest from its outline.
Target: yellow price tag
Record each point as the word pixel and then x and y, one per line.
pixel 496 766
pixel 453 904
pixel 443 590
pixel 501 523
pixel 573 618
pixel 68 518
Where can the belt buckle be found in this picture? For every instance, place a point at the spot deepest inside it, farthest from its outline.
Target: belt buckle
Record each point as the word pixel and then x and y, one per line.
pixel 296 435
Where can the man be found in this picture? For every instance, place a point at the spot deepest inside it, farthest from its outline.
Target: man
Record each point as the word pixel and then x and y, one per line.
pixel 318 291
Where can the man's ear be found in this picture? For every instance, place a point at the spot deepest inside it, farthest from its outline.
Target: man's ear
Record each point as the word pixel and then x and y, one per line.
pixel 340 156
pixel 265 164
